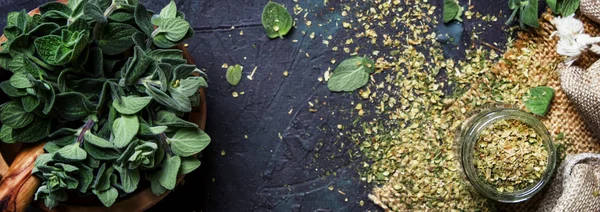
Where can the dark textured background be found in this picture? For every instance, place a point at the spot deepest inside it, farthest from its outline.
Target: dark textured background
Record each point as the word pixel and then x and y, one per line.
pixel 264 172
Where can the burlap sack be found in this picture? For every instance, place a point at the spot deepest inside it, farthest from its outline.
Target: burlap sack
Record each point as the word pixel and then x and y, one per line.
pixel 576 186
pixel 583 89
pixel 591 9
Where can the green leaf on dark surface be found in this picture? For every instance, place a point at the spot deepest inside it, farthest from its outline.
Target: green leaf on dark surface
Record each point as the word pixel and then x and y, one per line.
pixel 276 20
pixel 351 74
pixel 189 164
pixel 529 14
pixel 13 114
pixel 121 17
pixel 124 129
pixel 11 91
pixel 96 141
pixel 174 29
pixel 20 80
pixel 452 11
pixel 70 153
pixel 168 173
pixel 6 134
pixel 108 197
pixel 147 130
pixel 130 105
pixel 181 105
pixel 37 130
pixel 538 100
pixel 159 54
pixel 189 141
pixel 42 160
pixel 234 74
pixel 85 176
pixel 190 86
pixel 143 19
pixel 155 185
pixel 30 103
pixel 169 11
pixel 129 178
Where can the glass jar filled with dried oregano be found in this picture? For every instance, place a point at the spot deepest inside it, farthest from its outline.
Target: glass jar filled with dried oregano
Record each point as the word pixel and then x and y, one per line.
pixel 506 154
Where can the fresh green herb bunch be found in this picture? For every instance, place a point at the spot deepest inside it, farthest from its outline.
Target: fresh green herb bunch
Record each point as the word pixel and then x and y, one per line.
pixel 101 82
pixel 527 11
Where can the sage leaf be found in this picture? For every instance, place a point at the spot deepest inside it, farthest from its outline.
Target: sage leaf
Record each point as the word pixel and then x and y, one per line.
pixel 51 147
pixel 161 41
pixel 20 80
pixel 147 130
pixel 452 11
pixel 351 74
pixel 183 105
pixel 70 153
pixel 85 176
pixel 13 114
pixel 276 20
pixel 30 103
pixel 96 141
pixel 538 100
pixel 168 174
pixel 124 129
pixel 129 178
pixel 108 197
pixel 529 14
pixel 121 17
pixel 143 19
pixel 74 106
pixel 37 130
pixel 99 153
pixel 190 85
pixel 189 164
pixel 102 179
pixel 6 134
pixel 234 74
pixel 170 119
pixel 130 105
pixel 189 141
pixel 47 47
pixel 116 38
pixel 155 185
pixel 174 29
pixel 159 54
pixel 11 91
pixel 169 11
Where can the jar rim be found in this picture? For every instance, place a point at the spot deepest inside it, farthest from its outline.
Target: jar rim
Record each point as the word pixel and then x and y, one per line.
pixel 469 136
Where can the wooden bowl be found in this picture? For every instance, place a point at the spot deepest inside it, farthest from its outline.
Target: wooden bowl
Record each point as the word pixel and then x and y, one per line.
pixel 18 185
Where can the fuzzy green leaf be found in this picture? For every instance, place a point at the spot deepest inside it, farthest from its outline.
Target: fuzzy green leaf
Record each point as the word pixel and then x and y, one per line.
pixel 351 74
pixel 13 114
pixel 169 11
pixel 189 141
pixel 130 105
pixel 174 29
pixel 116 38
pixel 70 153
pixel 276 20
pixel 124 129
pixel 168 173
pixel 166 118
pixel 142 19
pixel 74 106
pixel 538 100
pixel 452 11
pixel 20 80
pixel 108 197
pixel 234 74
pixel 189 164
pixel 37 130
pixel 129 178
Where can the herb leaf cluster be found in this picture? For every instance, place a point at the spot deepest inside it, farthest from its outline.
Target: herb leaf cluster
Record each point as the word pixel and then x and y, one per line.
pixel 101 82
pixel 563 7
pixel 527 11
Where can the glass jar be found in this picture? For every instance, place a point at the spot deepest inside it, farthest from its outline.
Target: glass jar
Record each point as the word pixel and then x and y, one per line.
pixel 469 135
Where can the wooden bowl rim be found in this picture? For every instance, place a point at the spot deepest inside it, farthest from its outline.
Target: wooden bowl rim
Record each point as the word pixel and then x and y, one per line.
pixel 139 200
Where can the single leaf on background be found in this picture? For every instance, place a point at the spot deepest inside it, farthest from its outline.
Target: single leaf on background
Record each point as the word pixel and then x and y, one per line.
pixel 529 14
pixel 161 41
pixel 452 11
pixel 30 103
pixel 74 106
pixel 108 196
pixel 70 153
pixel 13 114
pixel 116 38
pixel 168 173
pixel 569 7
pixel 189 164
pixel 11 91
pixel 351 74
pixel 234 74
pixel 170 119
pixel 129 178
pixel 124 129
pixel 157 189
pixel 37 130
pixel 130 105
pixel 188 141
pixel 276 20
pixel 169 11
pixel 143 19
pixel 20 80
pixel 174 29
pixel 6 134
pixel 538 100
pixel 189 87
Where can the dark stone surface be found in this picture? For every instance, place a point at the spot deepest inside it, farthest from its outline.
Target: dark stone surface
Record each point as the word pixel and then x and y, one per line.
pixel 289 161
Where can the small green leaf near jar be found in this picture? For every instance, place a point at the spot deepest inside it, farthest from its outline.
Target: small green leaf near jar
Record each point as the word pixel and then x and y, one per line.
pixel 351 74
pixel 452 11
pixel 538 100
pixel 276 20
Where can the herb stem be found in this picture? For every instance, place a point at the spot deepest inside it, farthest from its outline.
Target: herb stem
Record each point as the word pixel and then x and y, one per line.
pixel 154 33
pixel 88 125
pixel 111 8
pixel 512 16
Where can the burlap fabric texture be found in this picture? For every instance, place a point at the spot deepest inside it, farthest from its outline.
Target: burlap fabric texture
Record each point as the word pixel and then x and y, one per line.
pixel 576 185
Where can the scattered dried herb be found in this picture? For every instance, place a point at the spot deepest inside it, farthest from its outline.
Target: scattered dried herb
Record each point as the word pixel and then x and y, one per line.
pixel 276 20
pixel 71 65
pixel 538 100
pixel 351 74
pixel 234 74
pixel 510 156
pixel 452 11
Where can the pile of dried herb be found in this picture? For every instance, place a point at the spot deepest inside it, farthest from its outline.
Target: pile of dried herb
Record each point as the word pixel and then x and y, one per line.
pixel 101 81
pixel 510 156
